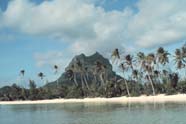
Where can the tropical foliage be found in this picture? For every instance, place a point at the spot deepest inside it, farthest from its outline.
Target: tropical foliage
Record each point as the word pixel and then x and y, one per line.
pixel 150 74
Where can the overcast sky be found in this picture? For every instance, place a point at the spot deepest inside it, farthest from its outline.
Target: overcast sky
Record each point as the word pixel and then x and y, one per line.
pixel 36 34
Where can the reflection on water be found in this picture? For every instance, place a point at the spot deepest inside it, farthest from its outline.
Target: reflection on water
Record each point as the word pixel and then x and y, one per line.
pixel 86 113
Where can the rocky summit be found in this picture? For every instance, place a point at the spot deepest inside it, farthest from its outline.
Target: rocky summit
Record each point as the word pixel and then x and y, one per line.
pixel 86 70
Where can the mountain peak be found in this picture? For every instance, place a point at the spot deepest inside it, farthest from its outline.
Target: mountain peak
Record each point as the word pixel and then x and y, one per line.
pixel 87 64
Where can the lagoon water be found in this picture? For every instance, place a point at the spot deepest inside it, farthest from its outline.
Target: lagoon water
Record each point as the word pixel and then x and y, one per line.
pixel 86 113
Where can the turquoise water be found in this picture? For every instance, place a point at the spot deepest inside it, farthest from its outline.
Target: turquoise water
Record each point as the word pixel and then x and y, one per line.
pixel 81 113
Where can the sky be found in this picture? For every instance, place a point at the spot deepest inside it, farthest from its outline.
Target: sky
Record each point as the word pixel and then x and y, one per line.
pixel 36 34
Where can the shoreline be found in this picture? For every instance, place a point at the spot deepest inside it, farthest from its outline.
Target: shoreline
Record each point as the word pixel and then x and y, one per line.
pixel 161 98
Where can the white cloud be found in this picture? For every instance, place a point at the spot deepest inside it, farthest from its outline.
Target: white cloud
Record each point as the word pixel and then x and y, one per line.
pixel 45 61
pixel 51 58
pixel 88 28
pixel 158 22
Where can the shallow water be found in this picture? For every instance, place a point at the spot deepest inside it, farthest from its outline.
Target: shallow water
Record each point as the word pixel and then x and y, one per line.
pixel 84 113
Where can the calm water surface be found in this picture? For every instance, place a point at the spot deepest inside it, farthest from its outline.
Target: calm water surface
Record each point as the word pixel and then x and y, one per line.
pixel 83 113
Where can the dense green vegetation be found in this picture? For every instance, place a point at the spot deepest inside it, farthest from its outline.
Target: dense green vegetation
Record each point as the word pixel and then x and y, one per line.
pixel 93 77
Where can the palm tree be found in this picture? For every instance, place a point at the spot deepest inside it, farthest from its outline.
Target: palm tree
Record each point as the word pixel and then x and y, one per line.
pixel 81 70
pixel 74 74
pixel 86 73
pixel 156 74
pixel 165 75
pixel 174 79
pixel 70 75
pixel 151 60
pixel 100 70
pixel 115 55
pixel 149 71
pixel 124 68
pixel 178 58
pixel 41 75
pixel 183 50
pixel 104 72
pixel 22 72
pixel 148 66
pixel 56 70
pixel 129 61
pixel 162 56
pixel 135 74
pixel 141 60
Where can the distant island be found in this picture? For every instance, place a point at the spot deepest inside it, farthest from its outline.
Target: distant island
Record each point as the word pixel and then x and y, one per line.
pixel 93 76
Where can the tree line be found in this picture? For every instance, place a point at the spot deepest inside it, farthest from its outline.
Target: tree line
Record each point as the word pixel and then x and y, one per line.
pixel 140 73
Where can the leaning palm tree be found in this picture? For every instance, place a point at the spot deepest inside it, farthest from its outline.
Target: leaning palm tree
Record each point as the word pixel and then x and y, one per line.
pixel 148 66
pixel 124 68
pixel 149 71
pixel 85 73
pixel 104 72
pixel 162 57
pixel 115 55
pixel 81 71
pixel 74 74
pixel 70 75
pixel 100 70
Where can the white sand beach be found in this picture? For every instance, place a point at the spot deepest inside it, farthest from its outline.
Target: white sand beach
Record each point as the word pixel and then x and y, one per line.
pixel 141 99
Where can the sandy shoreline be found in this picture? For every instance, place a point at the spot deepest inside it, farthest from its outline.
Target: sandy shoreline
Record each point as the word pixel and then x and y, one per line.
pixel 141 99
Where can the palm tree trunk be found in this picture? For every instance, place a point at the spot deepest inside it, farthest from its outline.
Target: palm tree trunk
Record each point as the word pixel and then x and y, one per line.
pixel 151 82
pixel 126 85
pixel 86 82
pixel 75 80
pixel 82 82
pixel 113 60
pixel 87 76
pixel 102 80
